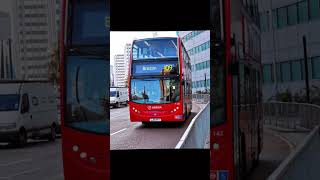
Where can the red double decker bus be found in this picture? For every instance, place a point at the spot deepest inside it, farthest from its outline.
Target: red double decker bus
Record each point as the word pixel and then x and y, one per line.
pixel 160 87
pixel 236 114
pixel 84 48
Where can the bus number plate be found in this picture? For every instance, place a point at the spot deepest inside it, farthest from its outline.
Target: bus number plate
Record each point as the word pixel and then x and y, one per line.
pixel 155 119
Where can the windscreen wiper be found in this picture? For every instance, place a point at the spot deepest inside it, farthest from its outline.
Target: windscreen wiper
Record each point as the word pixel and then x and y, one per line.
pixel 77 51
pixel 77 94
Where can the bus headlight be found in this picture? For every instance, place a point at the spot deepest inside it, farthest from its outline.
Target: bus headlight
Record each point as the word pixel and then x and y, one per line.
pixel 178 117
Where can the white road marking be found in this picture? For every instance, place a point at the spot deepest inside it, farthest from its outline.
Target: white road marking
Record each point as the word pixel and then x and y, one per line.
pixel 287 141
pixel 119 131
pixel 187 131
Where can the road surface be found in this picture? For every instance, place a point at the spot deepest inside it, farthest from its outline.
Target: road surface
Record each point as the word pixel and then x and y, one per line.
pixel 40 159
pixel 134 135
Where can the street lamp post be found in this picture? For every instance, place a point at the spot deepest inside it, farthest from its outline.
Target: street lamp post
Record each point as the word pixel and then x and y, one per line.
pixel 306 68
pixel 275 73
pixel 10 58
pixel 205 82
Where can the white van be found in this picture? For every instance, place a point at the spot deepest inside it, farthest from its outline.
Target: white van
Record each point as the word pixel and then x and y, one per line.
pixel 118 96
pixel 28 109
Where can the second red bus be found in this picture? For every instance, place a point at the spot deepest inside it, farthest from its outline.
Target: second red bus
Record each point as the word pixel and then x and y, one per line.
pixel 160 86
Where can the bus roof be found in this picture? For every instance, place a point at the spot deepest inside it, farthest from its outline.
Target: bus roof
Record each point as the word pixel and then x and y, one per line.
pixel 154 38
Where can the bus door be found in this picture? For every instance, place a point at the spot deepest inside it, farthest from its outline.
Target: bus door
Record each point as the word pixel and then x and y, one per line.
pixel 85 90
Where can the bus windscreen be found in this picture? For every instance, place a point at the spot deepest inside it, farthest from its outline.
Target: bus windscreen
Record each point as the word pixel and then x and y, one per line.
pixel 154 48
pixel 86 97
pixel 155 90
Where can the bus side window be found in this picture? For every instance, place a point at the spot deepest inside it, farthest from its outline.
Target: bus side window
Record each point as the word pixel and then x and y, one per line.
pixel 25 104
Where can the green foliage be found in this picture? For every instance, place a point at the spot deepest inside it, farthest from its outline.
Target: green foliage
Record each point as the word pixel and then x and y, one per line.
pixel 284 96
pixel 54 66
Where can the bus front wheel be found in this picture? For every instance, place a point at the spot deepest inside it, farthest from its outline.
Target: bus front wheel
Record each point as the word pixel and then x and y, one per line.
pixel 145 123
pixel 186 114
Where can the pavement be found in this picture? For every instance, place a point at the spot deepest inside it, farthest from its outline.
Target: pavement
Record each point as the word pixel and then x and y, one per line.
pixel 277 145
pixel 134 135
pixel 292 137
pixel 39 160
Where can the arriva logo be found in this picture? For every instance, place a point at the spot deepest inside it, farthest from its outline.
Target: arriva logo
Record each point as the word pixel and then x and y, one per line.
pixel 153 107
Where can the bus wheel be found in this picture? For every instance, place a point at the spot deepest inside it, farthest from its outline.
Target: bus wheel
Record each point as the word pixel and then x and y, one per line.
pixel 186 114
pixel 52 135
pixel 118 105
pixel 23 138
pixel 145 123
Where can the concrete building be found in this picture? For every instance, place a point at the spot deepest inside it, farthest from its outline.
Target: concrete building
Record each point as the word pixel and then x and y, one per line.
pixel 283 25
pixel 111 76
pixel 5 30
pixel 34 37
pixel 58 15
pixel 120 70
pixel 127 51
pixel 197 44
pixel 6 61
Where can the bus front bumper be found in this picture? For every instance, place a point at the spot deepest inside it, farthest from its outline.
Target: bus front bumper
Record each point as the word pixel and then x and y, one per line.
pixel 134 117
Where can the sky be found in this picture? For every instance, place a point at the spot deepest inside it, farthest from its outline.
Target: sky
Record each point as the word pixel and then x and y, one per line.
pixel 118 39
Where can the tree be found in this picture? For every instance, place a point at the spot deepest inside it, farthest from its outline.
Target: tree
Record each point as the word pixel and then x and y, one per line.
pixel 126 82
pixel 54 66
pixel 284 96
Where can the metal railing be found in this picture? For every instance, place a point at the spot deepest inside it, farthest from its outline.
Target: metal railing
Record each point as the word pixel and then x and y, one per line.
pixel 296 116
pixel 201 98
pixel 197 133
